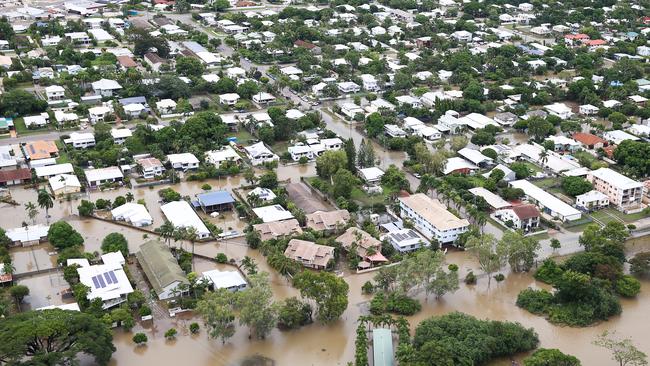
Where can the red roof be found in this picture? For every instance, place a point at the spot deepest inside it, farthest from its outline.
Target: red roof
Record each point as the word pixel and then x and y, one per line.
pixel 16 174
pixel 576 36
pixel 525 212
pixel 595 42
pixel 304 44
pixel 588 138
pixel 126 61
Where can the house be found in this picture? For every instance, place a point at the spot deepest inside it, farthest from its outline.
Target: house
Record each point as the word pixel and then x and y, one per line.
pixel 183 161
pixel 150 167
pixel 106 87
pixel 476 157
pixel 230 280
pixel 40 150
pixel 263 98
pixel 81 140
pixel 405 240
pixel 495 202
pixel 394 131
pixel 134 110
pixel 592 200
pixel 107 282
pixel 217 201
pixel 272 213
pixel 165 106
pixel 235 73
pixel 218 157
pixel 458 165
pixel 311 255
pixel 623 192
pixel 524 217
pixel 506 118
pixel 588 110
pixel 559 109
pixel 618 136
pixel 369 83
pixel 133 213
pixel 429 133
pixel 509 174
pixel 350 110
pixel 477 121
pixel 639 130
pixel 64 184
pixel 329 221
pixel 54 93
pixel 348 87
pixel 28 235
pixel 549 204
pixel 263 194
pixel 462 36
pixel 155 61
pixel 409 101
pixel 229 98
pixel 182 215
pixel 371 175
pixel 98 177
pixel 48 171
pixel 449 123
pixel 126 62
pixel 431 218
pixel 259 154
pixel 365 245
pixel 78 38
pixel 589 141
pixel 98 114
pixel 120 135
pixel 563 143
pixel 278 229
pixel 300 151
pixel 332 144
pixel 161 269
pixel 37 121
pixel 15 177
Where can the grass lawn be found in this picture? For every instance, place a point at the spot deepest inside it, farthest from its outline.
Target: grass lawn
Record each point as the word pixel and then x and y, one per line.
pixel 242 136
pixel 546 183
pixel 280 147
pixel 63 154
pixel 532 167
pixel 359 195
pixel 611 214
pixel 19 125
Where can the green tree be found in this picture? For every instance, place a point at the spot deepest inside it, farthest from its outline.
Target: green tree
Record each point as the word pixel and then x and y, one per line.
pixel 61 235
pixel 521 170
pixel 256 307
pixel 329 292
pixel 19 292
pixel 86 208
pixel 343 183
pixel 32 211
pixel 330 162
pixel 490 253
pixel 189 66
pixel 539 128
pixel 521 250
pixel 640 264
pixel 54 337
pixel 218 314
pixel 351 154
pixel 293 314
pixel 140 338
pixel 114 242
pixel 575 186
pixel 171 333
pixel 550 357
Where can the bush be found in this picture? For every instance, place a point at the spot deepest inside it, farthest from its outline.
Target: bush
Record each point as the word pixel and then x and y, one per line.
pixel 221 258
pixel 394 303
pixel 303 160
pixel 470 279
pixel 367 288
pixel 294 314
pixel 549 272
pixel 145 310
pixel 171 333
pixel 640 264
pixel 535 301
pixel 194 328
pixel 140 338
pixel 102 204
pixel 206 187
pixel 628 286
pixel 86 208
pixel 550 357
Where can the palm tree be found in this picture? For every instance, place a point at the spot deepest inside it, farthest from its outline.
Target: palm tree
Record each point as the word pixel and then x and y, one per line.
pixel 129 197
pixel 543 157
pixel 249 264
pixel 32 211
pixel 45 200
pixel 191 235
pixel 166 231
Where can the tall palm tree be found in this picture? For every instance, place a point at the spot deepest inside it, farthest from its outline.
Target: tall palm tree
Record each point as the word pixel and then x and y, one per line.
pixel 191 235
pixel 543 157
pixel 45 200
pixel 166 231
pixel 129 197
pixel 32 211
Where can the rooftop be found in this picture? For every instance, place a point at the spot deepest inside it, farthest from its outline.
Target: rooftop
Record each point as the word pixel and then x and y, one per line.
pixel 433 211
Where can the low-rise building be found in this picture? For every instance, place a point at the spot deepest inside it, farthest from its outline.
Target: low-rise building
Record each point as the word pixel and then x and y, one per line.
pixel 259 154
pixel 329 221
pixel 181 215
pixel 107 282
pixel 365 245
pixel 623 192
pixel 64 184
pixel 272 213
pixel 133 213
pixel 278 229
pixel 432 218
pixel 97 177
pixel 183 161
pixel 549 204
pixel 217 201
pixel 28 235
pixel 405 240
pixel 524 217
pixel 120 135
pixel 106 87
pixel 592 200
pixel 81 140
pixel 150 168
pixel 309 254
pixel 161 269
pixel 230 280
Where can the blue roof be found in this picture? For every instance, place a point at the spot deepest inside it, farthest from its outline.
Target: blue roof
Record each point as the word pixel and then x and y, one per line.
pixel 133 100
pixel 215 198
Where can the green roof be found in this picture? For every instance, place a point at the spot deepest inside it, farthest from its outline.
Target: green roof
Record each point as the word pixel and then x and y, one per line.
pixel 159 265
pixel 382 347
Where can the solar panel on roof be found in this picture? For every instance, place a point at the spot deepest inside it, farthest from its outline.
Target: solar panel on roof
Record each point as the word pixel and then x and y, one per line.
pixel 112 274
pixel 102 284
pixel 95 282
pixel 107 277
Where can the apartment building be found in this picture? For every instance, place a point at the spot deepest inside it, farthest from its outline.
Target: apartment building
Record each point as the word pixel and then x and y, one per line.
pixel 431 218
pixel 623 192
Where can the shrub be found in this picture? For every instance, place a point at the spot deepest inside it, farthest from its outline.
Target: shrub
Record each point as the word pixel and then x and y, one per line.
pixel 86 208
pixel 194 328
pixel 206 187
pixel 549 272
pixel 367 288
pixel 140 338
pixel 394 303
pixel 102 204
pixel 303 160
pixel 628 286
pixel 294 314
pixel 640 264
pixel 171 333
pixel 535 301
pixel 145 310
pixel 550 357
pixel 470 279
pixel 221 258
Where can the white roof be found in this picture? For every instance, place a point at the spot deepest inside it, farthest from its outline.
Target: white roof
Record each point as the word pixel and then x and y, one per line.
pixel 492 199
pixel 592 196
pixel 224 279
pixel 294 114
pixel 371 174
pixel 217 156
pixel 618 136
pixel 558 108
pixel 134 213
pixel 49 170
pixel 29 233
pixel 114 258
pixel 291 70
pixel 477 121
pixel 182 158
pixel 64 180
pixel 474 156
pixel 545 199
pixel 272 213
pixel 556 162
pixel 100 34
pixel 82 137
pixel 72 307
pixel 615 178
pixel 263 193
pixel 54 89
pixel 166 103
pixel 563 140
pixel 81 262
pixel 457 163
pixel 102 283
pixel 507 171
pixel 181 214
pixel 106 84
pixel 118 133
pixel 112 172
